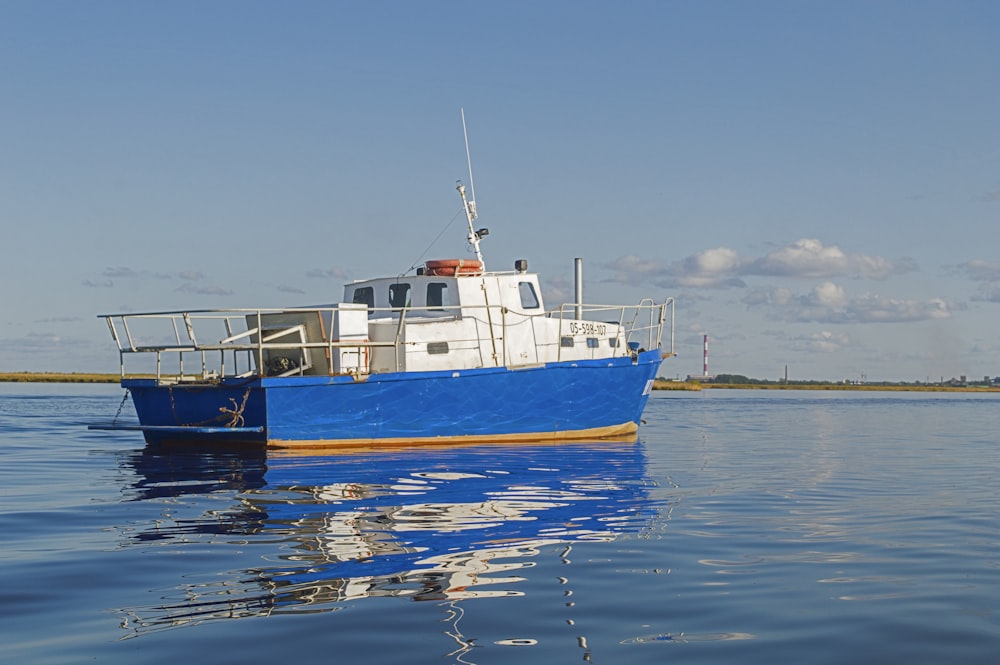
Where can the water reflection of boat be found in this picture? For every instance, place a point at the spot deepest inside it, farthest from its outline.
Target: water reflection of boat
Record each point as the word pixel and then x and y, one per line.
pixel 446 524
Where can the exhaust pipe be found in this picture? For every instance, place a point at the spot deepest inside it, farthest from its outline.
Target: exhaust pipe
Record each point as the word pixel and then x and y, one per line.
pixel 578 282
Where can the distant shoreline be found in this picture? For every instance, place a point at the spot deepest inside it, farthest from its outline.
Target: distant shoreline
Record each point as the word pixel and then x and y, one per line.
pixel 659 384
pixel 58 377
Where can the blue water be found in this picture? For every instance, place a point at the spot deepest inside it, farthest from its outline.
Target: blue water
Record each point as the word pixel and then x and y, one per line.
pixel 743 527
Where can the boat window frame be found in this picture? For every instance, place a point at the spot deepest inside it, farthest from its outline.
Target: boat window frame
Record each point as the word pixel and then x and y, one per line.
pixel 528 295
pixel 364 295
pixel 394 298
pixel 437 302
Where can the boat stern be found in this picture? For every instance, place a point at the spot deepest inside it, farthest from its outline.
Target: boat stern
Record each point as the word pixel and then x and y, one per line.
pixel 223 411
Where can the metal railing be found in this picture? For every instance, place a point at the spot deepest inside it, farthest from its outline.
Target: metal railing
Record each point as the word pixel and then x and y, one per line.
pixel 642 324
pixel 244 343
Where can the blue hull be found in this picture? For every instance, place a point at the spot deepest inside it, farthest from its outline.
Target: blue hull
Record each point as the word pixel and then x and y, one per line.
pixel 557 401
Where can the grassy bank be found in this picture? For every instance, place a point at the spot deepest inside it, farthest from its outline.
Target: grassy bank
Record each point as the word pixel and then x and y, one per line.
pixel 661 384
pixel 923 388
pixel 57 377
pixel 695 385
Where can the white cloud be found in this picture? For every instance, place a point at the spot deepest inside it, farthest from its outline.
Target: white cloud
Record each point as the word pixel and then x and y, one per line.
pixel 804 258
pixel 327 273
pixel 828 294
pixel 723 267
pixel 557 289
pixel 988 292
pixel 124 272
pixel 879 309
pixel 821 342
pixel 120 271
pixel 635 270
pixel 713 268
pixel 829 303
pixel 810 258
pixel 986 273
pixel 34 342
pixel 203 290
pixel 981 271
pixel 717 261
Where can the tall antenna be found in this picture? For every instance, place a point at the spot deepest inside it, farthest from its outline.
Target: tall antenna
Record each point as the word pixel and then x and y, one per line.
pixel 470 204
pixel 468 159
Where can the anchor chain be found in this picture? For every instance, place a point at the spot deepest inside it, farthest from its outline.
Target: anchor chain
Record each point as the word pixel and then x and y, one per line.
pixel 121 406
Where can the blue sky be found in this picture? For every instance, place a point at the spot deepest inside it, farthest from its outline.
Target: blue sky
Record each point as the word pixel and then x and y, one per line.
pixel 817 183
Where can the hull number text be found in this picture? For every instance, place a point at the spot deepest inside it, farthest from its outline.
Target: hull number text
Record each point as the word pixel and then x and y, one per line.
pixel 587 328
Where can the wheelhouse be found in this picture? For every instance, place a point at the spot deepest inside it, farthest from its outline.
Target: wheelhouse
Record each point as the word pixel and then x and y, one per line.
pixel 426 295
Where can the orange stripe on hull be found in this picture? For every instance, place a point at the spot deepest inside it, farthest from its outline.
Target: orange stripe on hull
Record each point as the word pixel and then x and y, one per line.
pixel 625 431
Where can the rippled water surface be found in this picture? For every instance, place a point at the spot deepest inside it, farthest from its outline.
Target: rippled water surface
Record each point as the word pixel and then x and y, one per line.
pixel 742 527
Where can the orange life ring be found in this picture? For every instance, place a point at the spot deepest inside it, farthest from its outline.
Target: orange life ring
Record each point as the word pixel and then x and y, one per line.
pixel 454 267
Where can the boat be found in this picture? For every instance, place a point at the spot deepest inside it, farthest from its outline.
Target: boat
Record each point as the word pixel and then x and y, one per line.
pixel 448 352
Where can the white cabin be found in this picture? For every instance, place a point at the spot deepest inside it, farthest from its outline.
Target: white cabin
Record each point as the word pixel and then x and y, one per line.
pixel 432 322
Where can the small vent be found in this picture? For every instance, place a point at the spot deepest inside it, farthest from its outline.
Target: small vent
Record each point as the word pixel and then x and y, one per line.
pixel 435 348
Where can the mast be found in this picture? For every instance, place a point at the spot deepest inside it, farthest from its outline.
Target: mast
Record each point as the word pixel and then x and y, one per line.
pixel 469 205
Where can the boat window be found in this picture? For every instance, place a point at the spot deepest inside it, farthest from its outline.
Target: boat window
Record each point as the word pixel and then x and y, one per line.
pixel 437 347
pixel 592 343
pixel 565 341
pixel 613 342
pixel 365 295
pixel 399 295
pixel 529 300
pixel 437 295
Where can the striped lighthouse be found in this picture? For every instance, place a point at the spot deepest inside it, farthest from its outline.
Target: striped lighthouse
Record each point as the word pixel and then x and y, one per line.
pixel 705 366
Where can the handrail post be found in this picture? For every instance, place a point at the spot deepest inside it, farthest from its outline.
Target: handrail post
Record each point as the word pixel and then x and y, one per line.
pixel 190 328
pixel 625 332
pixel 114 331
pixel 503 330
pixel 399 332
pixel 260 345
pixel 560 331
pixel 329 340
pixel 671 325
pixel 128 334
